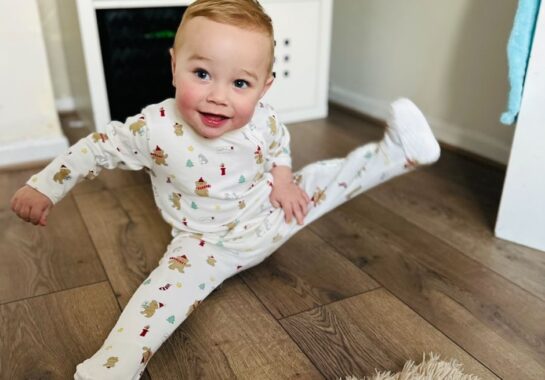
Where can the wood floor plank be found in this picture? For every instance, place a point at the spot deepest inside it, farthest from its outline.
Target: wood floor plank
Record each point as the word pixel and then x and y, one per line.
pixel 371 331
pixel 460 215
pixel 39 260
pixel 303 274
pixel 433 278
pixel 46 337
pixel 231 336
pixel 128 232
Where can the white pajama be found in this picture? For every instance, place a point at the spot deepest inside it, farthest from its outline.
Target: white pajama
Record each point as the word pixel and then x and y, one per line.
pixel 215 194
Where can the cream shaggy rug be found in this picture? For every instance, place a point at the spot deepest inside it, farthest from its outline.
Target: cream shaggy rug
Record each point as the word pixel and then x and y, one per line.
pixel 431 368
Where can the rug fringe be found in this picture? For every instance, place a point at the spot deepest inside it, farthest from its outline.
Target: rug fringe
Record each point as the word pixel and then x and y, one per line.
pixel 431 368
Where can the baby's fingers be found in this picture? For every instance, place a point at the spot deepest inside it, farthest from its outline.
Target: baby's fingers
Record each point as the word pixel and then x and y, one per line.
pixel 35 215
pixel 298 211
pixel 303 204
pixel 275 203
pixel 288 212
pixel 24 213
pixel 43 217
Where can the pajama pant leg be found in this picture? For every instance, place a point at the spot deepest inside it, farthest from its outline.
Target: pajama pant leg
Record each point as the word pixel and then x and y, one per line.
pixel 332 182
pixel 186 274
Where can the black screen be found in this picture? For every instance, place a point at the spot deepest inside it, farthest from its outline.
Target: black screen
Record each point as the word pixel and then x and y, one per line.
pixel 135 44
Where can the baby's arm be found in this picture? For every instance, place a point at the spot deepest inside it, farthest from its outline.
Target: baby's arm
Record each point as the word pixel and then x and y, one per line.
pixel 122 145
pixel 288 195
pixel 285 193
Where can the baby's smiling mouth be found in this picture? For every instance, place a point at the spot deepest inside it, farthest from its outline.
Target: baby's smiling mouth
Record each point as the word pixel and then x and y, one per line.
pixel 214 116
pixel 213 120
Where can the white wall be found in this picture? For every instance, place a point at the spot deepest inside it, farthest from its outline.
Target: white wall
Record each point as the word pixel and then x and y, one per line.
pixel 49 16
pixel 448 56
pixel 29 125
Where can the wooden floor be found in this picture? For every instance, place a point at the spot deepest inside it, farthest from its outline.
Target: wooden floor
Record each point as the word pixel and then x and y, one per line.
pixel 409 267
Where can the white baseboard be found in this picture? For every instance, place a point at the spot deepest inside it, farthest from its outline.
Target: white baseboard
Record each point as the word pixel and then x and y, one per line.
pixel 32 150
pixel 65 105
pixel 470 140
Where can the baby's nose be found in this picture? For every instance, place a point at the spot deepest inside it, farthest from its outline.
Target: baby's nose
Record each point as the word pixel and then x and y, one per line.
pixel 218 95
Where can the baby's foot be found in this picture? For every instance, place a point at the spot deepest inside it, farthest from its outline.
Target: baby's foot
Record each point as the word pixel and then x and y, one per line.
pixel 407 128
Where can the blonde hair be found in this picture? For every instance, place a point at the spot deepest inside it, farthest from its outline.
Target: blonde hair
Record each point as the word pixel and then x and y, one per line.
pixel 246 14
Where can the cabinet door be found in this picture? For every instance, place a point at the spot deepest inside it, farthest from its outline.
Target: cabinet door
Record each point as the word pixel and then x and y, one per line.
pixel 297 34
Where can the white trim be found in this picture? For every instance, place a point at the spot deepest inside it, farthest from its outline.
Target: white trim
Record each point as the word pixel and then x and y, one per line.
pixel 64 105
pixel 378 109
pixel 322 80
pixel 303 114
pixel 470 140
pixel 32 150
pixel 93 62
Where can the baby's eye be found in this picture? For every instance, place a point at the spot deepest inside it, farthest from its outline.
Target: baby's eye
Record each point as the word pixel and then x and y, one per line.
pixel 241 83
pixel 202 74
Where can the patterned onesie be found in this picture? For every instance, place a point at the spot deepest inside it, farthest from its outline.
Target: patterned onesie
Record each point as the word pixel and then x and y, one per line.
pixel 215 194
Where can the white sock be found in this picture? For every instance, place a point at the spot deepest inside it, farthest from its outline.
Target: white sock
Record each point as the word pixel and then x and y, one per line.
pixel 408 129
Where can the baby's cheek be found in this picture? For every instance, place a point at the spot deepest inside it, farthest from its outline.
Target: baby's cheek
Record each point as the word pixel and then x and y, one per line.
pixel 185 99
pixel 245 113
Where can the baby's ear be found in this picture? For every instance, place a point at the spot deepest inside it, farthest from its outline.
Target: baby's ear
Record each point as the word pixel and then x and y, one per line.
pixel 172 64
pixel 268 84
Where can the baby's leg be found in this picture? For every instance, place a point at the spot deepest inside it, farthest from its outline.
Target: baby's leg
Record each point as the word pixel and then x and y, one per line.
pixel 407 144
pixel 187 273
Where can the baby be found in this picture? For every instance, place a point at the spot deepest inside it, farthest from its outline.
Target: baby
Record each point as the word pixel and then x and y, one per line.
pixel 220 168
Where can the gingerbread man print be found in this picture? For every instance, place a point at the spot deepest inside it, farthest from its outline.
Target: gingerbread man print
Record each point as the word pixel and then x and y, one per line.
pixel 159 156
pixel 62 174
pixel 201 187
pixel 178 263
pixel 137 127
pixel 102 137
pixel 178 129
pixel 150 308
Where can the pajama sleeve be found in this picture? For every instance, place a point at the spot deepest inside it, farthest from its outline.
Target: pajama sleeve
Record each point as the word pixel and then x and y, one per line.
pixel 123 145
pixel 277 138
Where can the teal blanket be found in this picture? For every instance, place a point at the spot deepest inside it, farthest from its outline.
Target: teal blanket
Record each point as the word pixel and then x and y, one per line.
pixel 518 52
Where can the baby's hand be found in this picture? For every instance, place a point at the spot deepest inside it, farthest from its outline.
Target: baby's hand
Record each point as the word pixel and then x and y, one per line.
pixel 292 199
pixel 31 205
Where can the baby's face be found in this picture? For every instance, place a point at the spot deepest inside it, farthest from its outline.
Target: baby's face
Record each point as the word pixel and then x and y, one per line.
pixel 220 72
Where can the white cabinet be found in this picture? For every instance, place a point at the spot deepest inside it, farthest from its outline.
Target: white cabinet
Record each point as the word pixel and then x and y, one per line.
pixel 302 32
pixel 521 217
